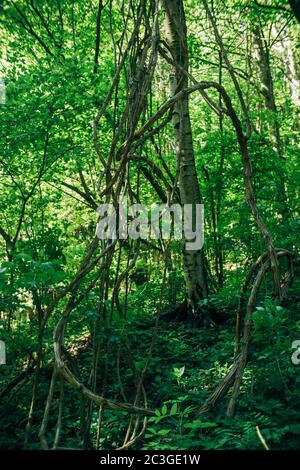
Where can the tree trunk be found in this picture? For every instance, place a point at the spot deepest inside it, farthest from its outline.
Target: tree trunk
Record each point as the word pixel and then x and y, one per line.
pixel 175 35
pixel 271 109
pixel 285 48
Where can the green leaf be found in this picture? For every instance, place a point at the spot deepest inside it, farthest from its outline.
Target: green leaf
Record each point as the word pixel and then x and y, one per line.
pixel 173 409
pixel 179 372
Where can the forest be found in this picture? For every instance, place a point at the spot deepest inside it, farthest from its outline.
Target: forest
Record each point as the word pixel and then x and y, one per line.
pixel 149 225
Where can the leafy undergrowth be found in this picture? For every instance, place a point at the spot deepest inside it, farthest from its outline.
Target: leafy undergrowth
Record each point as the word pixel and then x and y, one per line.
pixel 186 365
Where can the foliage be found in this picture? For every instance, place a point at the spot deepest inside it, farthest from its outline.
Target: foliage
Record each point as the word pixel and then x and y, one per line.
pixel 127 312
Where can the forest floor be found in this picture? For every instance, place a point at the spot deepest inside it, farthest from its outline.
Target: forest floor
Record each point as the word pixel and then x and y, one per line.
pixel 187 364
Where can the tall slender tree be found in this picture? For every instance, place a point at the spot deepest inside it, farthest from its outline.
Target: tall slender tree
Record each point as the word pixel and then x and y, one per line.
pixel 176 38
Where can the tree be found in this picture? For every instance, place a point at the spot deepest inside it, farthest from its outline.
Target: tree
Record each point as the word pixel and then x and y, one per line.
pixel 176 37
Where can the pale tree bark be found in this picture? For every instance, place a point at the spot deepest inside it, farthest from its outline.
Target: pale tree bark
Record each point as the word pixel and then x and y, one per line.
pixel 284 46
pixel 175 36
pixel 267 90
